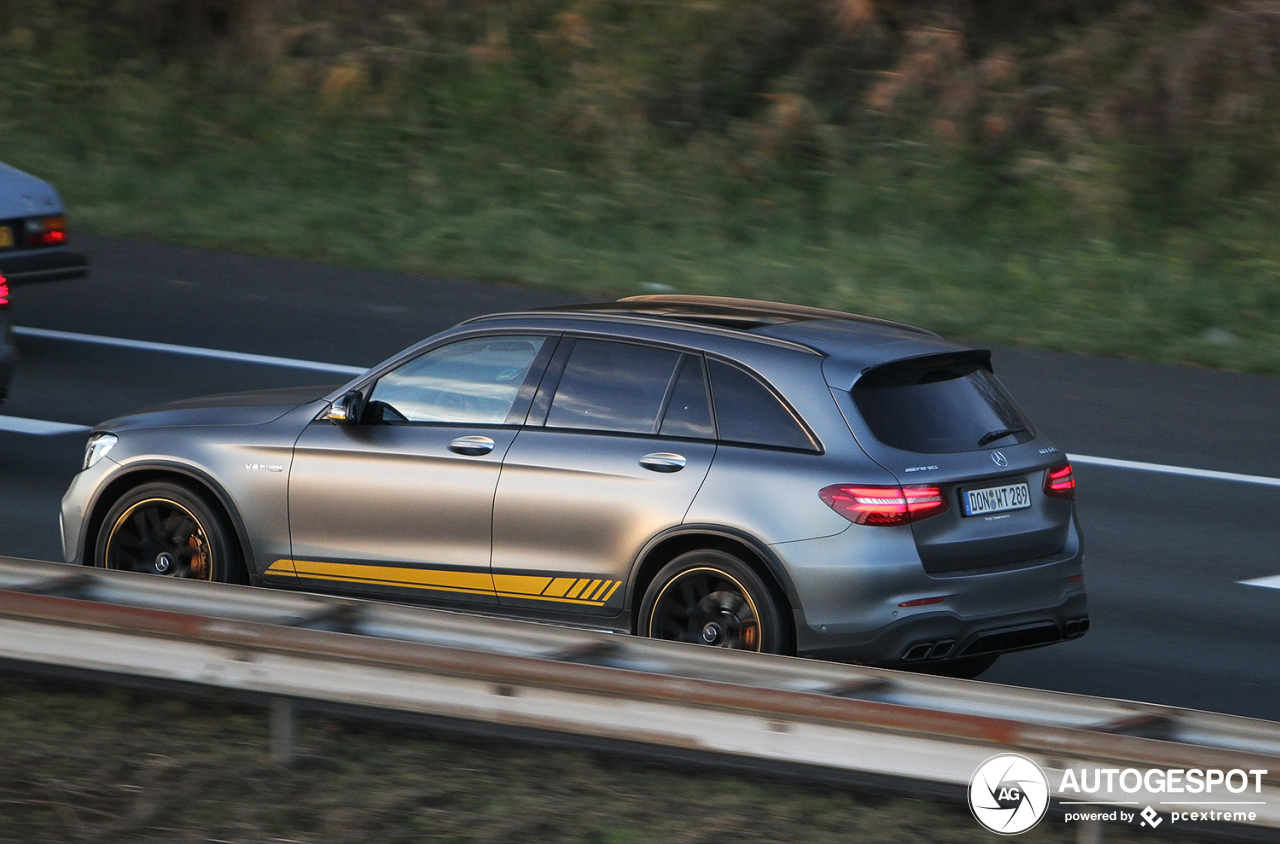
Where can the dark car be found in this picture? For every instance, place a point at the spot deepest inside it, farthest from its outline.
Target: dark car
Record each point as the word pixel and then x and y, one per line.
pixel 33 247
pixel 734 473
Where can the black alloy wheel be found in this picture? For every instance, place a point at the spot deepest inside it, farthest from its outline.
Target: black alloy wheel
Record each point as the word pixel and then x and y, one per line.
pixel 167 529
pixel 712 598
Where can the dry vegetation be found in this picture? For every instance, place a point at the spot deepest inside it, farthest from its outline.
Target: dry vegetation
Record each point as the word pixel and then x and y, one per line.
pixel 1085 174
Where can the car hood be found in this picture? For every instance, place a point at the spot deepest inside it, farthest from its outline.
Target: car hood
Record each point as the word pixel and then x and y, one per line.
pixel 23 195
pixel 255 407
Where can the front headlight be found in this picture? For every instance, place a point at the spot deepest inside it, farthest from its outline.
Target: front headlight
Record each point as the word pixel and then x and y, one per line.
pixel 97 448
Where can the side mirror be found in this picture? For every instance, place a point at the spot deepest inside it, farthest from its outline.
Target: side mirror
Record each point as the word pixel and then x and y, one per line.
pixel 345 409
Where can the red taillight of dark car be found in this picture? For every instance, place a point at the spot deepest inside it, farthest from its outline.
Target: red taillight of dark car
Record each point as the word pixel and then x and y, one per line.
pixel 1060 482
pixel 47 231
pixel 4 292
pixel 884 505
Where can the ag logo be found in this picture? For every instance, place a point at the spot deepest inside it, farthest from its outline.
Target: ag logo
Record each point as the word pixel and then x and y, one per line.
pixel 1008 794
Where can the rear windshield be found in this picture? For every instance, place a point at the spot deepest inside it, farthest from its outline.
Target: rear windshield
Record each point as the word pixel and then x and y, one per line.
pixel 940 407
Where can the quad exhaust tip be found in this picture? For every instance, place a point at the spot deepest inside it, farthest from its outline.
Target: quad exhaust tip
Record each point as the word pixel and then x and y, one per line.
pixel 1000 641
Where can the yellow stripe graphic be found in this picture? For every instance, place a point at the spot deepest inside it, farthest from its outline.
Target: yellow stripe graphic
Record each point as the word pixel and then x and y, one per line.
pixel 455 581
pixel 567 590
pixel 520 584
pixel 280 567
pixel 558 587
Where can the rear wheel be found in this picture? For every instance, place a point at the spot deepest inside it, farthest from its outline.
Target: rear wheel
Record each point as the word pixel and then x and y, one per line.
pixel 712 598
pixel 167 529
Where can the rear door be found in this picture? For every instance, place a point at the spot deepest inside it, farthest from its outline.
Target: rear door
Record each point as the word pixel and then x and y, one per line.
pixel 618 442
pixel 946 421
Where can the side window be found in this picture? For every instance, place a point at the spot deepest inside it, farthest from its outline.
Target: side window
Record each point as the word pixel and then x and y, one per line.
pixel 748 412
pixel 472 382
pixel 609 386
pixel 689 410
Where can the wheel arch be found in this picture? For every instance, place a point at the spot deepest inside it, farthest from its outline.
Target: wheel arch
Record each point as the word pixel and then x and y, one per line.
pixel 187 476
pixel 665 547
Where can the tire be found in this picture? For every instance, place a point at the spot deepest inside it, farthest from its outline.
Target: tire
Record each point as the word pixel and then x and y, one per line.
pixel 713 598
pixel 167 529
pixel 966 668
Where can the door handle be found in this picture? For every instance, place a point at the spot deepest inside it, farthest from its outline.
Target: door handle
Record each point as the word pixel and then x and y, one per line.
pixel 474 446
pixel 663 461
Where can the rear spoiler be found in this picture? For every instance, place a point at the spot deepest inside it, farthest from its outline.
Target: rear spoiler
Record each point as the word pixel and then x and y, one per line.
pixel 918 369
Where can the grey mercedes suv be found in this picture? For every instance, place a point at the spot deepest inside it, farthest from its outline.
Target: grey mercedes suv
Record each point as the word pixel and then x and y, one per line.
pixel 728 472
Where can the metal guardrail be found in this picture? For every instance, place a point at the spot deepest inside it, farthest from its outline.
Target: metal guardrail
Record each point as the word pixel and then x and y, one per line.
pixel 293 646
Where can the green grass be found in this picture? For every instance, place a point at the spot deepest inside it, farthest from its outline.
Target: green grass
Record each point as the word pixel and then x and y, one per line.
pixel 86 763
pixel 590 169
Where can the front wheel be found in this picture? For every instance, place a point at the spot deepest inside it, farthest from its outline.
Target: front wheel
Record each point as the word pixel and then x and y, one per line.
pixel 167 529
pixel 712 598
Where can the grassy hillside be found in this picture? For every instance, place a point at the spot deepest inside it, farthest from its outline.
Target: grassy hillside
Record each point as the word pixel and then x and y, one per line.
pixel 1092 175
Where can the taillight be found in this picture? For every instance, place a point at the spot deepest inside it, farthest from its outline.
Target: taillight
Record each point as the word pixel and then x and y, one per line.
pixel 4 292
pixel 47 231
pixel 1059 482
pixel 884 505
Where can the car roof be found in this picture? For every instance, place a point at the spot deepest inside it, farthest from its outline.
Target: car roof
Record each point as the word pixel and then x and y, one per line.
pixel 852 342
pixel 23 195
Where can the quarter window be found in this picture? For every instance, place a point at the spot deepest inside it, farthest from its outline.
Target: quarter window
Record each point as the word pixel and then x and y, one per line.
pixel 689 411
pixel 610 386
pixel 748 412
pixel 470 382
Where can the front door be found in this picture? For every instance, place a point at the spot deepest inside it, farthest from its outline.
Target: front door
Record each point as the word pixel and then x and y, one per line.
pixel 401 503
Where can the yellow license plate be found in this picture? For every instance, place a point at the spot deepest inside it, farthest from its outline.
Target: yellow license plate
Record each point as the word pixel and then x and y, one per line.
pixel 6 237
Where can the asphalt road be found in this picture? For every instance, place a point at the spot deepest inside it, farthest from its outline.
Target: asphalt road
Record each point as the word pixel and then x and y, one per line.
pixel 1165 553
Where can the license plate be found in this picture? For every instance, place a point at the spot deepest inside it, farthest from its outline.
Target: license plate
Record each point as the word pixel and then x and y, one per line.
pixel 6 237
pixel 996 499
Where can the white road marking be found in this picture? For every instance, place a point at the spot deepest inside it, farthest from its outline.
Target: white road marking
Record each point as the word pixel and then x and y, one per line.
pixel 194 351
pixel 295 363
pixel 39 427
pixel 1085 460
pixel 1272 582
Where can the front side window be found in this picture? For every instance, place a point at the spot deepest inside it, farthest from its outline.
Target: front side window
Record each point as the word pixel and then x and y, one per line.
pixel 609 386
pixel 472 382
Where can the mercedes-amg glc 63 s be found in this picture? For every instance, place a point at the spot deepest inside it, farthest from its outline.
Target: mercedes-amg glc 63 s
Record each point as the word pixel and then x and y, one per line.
pixel 728 472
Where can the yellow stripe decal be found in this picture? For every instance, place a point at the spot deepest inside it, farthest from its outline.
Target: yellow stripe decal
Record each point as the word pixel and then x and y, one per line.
pixel 520 584
pixel 461 581
pixel 567 590
pixel 558 587
pixel 280 567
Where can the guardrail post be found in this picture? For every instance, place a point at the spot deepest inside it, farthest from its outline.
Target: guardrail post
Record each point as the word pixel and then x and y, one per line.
pixel 1089 832
pixel 284 730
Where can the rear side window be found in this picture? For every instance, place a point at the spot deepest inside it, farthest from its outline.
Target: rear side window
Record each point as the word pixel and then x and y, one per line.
pixel 939 408
pixel 748 412
pixel 610 386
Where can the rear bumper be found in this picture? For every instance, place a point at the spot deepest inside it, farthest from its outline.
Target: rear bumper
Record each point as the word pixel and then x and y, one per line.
pixel 865 597
pixel 926 639
pixel 31 266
